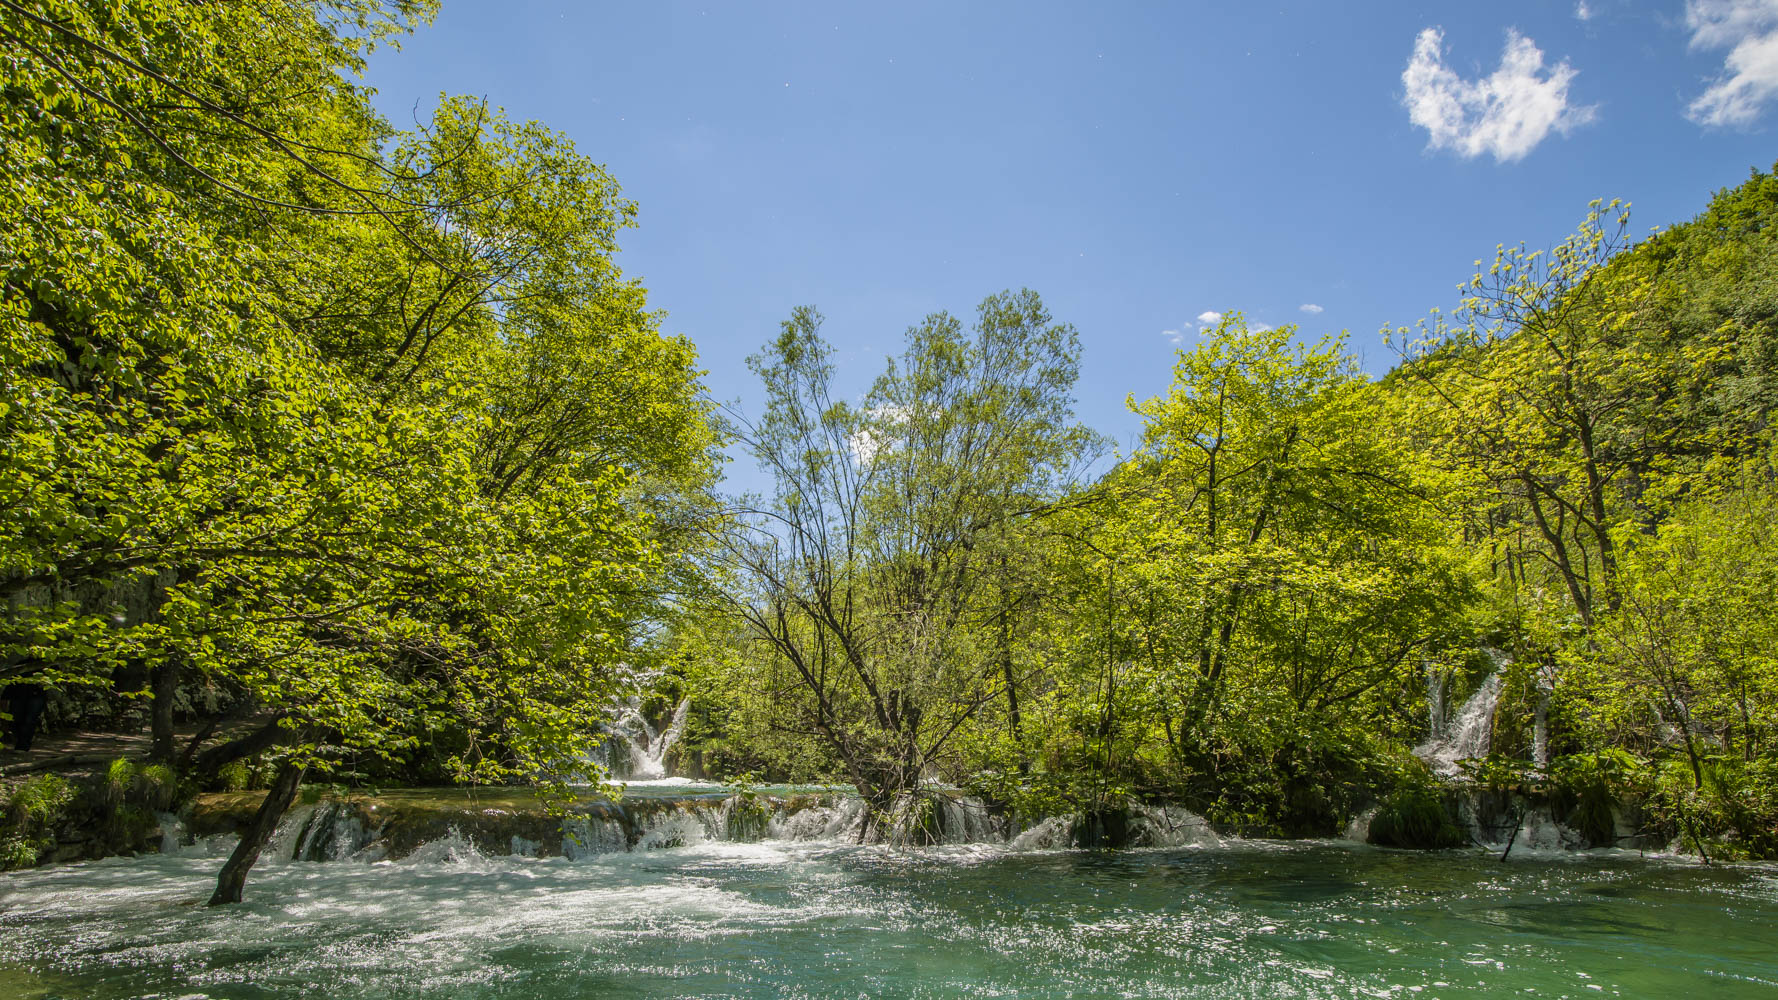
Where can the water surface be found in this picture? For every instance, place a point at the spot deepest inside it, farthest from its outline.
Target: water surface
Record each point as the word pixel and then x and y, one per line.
pixel 801 920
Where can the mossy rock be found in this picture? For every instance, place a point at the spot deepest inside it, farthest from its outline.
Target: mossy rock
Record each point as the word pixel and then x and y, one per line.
pixel 1109 827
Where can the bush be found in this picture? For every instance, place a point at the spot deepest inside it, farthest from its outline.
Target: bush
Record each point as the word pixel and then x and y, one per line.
pixel 17 851
pixel 1415 817
pixel 39 801
pixel 1588 787
pixel 233 776
pixel 152 786
pixel 32 812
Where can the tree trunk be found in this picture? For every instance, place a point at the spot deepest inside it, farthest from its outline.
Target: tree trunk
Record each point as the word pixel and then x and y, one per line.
pixel 166 685
pixel 1583 600
pixel 1012 687
pixel 264 738
pixel 259 832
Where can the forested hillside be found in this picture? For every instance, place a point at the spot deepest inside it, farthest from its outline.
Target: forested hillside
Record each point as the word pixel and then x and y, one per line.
pixel 1570 473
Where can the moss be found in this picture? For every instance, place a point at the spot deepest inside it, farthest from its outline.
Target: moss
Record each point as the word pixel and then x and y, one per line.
pixel 127 826
pixel 748 819
pixel 1416 818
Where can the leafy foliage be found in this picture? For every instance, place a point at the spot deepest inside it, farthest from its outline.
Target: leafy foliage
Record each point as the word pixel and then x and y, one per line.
pixel 363 428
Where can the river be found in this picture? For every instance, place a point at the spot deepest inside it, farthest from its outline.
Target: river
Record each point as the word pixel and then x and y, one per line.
pixel 796 919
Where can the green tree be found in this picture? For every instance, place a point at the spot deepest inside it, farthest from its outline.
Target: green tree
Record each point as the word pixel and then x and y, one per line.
pixel 877 573
pixel 366 429
pixel 1258 585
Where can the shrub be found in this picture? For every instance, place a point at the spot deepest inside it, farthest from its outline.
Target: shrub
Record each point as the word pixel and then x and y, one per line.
pixel 1415 817
pixel 1588 787
pixel 32 812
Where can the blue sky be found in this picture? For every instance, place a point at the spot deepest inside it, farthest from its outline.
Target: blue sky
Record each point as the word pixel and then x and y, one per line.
pixel 1138 165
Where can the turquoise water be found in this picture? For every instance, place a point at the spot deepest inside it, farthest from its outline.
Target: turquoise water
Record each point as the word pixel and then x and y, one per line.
pixel 802 920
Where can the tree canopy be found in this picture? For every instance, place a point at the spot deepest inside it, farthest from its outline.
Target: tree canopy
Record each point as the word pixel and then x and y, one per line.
pixel 362 430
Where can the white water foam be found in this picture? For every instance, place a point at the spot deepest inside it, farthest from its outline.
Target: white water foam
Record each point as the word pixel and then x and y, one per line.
pixel 1173 826
pixel 1051 833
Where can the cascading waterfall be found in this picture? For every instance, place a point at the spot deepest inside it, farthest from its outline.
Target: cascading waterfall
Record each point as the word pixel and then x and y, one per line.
pixel 1470 733
pixel 1503 821
pixel 1436 679
pixel 645 749
pixel 363 829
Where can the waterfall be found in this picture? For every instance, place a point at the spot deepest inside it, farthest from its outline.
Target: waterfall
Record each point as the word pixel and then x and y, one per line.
pixel 590 836
pixel 1050 833
pixel 1470 733
pixel 967 821
pixel 331 832
pixel 683 826
pixel 838 821
pixel 1436 679
pixel 1359 830
pixel 1540 732
pixel 1172 826
pixel 647 748
pixel 369 829
pixel 172 830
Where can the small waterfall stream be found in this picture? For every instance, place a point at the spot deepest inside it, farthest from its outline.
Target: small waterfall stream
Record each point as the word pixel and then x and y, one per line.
pixel 1436 680
pixel 1470 733
pixel 1540 732
pixel 1503 820
pixel 643 752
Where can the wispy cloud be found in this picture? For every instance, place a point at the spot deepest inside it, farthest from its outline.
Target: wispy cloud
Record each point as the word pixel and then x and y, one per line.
pixel 1749 30
pixel 877 434
pixel 1505 114
pixel 1584 11
pixel 1205 320
pixel 1310 308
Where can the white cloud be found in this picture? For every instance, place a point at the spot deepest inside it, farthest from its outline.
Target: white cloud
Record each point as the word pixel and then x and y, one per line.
pixel 1259 327
pixel 1209 317
pixel 1505 114
pixel 1583 12
pixel 1172 335
pixel 877 435
pixel 1749 30
pixel 1310 308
